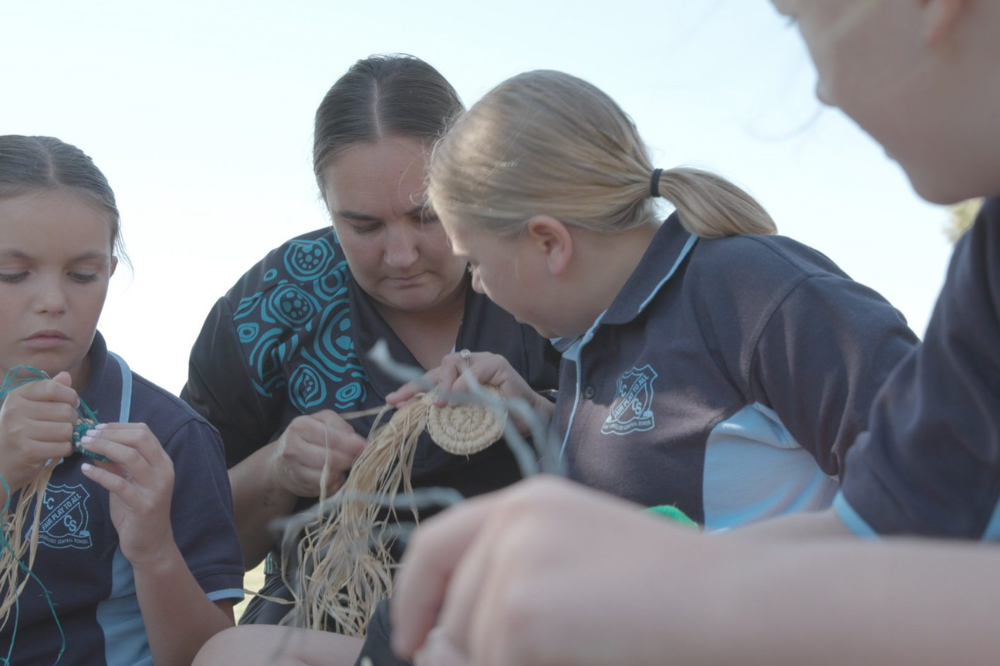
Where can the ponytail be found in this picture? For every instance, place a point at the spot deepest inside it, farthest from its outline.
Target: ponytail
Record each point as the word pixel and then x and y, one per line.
pixel 710 206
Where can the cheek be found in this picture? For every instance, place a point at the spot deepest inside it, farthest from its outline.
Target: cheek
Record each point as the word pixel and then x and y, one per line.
pixel 436 251
pixel 497 280
pixel 358 250
pixel 434 242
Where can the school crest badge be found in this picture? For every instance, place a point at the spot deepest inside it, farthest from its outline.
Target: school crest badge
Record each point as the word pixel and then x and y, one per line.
pixel 631 409
pixel 64 519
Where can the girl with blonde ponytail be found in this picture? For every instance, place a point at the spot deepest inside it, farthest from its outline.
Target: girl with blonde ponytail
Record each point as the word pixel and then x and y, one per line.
pixel 707 362
pixel 479 582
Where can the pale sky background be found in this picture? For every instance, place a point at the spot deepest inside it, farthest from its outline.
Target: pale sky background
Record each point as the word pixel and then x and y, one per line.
pixel 200 114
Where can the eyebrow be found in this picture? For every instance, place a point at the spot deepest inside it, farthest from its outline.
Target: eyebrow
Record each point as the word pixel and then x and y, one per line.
pixel 362 217
pixel 18 254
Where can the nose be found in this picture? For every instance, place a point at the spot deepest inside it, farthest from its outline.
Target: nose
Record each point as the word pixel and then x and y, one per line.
pixel 401 247
pixel 51 297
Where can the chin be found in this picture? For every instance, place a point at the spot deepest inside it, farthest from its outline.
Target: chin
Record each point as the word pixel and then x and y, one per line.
pixel 938 190
pixel 411 300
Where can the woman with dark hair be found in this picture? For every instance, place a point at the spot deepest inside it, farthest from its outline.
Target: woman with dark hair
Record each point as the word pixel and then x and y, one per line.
pixel 284 351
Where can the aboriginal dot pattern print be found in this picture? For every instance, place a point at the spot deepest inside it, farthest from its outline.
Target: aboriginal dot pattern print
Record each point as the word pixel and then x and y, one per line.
pixel 275 325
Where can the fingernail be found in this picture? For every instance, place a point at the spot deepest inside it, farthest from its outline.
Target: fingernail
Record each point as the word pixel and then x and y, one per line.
pixel 101 426
pixel 91 433
pixel 88 438
pixel 86 467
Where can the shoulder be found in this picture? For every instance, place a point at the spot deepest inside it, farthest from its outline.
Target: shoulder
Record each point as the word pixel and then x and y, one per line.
pixel 301 281
pixel 166 414
pixel 313 262
pixel 991 209
pixel 777 257
pixel 749 276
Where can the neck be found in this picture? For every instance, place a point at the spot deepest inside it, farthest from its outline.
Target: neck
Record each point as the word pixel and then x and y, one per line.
pixel 429 334
pixel 606 264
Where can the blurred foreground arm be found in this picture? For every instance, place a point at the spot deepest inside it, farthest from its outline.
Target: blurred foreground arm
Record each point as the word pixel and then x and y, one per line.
pixel 550 573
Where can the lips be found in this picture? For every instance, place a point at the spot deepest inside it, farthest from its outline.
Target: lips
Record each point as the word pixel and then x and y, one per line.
pixel 403 279
pixel 46 339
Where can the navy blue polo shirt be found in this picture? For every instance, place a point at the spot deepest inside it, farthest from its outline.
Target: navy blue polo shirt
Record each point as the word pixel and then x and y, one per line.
pixel 930 463
pixel 79 559
pixel 291 337
pixel 729 377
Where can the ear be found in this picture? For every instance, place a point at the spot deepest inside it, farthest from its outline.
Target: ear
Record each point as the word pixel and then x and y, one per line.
pixel 114 265
pixel 553 239
pixel 940 18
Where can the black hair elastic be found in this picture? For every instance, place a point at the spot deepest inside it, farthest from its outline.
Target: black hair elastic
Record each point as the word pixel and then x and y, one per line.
pixel 654 184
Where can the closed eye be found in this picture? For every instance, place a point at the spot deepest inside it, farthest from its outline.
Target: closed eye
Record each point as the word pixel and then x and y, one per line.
pixel 364 229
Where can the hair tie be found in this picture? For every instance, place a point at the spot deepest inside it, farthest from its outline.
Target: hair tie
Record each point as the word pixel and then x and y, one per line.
pixel 654 184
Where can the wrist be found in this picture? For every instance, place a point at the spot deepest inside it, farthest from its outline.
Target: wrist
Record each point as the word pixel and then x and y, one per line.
pixel 274 489
pixel 158 562
pixel 273 477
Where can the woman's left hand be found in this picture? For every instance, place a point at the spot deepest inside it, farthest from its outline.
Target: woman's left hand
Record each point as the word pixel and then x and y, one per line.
pixel 140 479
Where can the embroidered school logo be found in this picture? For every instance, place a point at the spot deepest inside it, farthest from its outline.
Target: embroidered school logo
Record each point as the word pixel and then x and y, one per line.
pixel 630 411
pixel 64 518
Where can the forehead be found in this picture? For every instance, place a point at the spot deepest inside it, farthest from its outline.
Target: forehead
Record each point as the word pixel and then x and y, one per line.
pixel 472 242
pixel 54 218
pixel 387 172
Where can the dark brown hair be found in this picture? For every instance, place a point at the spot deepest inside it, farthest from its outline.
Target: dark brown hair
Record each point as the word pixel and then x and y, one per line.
pixel 380 96
pixel 30 163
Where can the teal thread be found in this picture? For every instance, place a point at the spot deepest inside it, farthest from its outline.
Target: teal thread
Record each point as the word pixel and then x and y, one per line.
pixel 672 513
pixel 20 375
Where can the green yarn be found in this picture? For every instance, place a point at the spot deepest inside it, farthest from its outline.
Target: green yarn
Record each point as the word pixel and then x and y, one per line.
pixel 672 513
pixel 20 375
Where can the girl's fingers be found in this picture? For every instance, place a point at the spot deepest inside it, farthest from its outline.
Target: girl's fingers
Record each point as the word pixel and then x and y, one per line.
pixel 431 558
pixel 113 483
pixel 40 451
pixel 52 432
pixel 49 391
pixel 128 457
pixel 439 652
pixel 136 436
pixel 54 412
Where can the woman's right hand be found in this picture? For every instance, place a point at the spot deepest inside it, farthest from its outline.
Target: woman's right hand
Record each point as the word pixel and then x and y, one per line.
pixel 486 368
pixel 307 444
pixel 36 426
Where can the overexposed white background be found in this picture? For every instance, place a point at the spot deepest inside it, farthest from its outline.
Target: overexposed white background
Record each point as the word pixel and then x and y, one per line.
pixel 200 114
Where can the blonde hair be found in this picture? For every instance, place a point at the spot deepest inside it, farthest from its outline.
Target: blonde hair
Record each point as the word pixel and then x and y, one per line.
pixel 545 142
